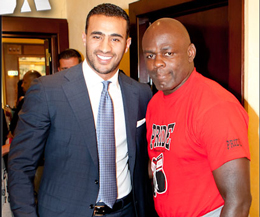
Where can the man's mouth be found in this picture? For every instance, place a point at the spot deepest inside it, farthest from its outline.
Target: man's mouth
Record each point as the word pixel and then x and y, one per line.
pixel 160 77
pixel 104 57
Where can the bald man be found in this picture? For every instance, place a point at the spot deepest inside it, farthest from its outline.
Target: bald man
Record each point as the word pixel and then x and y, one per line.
pixel 28 77
pixel 196 131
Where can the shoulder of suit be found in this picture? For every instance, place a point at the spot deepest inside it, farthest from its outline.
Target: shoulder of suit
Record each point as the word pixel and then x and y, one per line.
pixel 129 79
pixel 142 88
pixel 64 74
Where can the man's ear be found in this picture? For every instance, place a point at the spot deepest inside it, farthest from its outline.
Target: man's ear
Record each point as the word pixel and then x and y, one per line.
pixel 128 43
pixel 84 38
pixel 191 52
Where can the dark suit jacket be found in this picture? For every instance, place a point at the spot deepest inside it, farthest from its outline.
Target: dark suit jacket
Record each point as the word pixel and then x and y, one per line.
pixel 57 118
pixel 14 120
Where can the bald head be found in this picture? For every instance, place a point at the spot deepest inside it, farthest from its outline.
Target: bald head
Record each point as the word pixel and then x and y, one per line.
pixel 28 78
pixel 168 53
pixel 168 26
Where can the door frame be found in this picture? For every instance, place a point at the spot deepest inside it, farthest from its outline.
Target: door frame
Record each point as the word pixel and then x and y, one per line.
pixel 55 30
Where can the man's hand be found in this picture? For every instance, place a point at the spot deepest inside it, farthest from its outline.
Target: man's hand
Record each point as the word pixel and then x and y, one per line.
pixel 5 149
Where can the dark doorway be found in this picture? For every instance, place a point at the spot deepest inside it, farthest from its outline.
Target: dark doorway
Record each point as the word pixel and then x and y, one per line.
pixel 55 31
pixel 54 36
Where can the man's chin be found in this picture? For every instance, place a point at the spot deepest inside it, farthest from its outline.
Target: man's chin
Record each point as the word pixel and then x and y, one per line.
pixel 160 86
pixel 103 72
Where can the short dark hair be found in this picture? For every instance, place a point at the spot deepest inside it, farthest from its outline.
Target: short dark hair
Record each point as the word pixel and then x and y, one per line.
pixel 68 53
pixel 33 74
pixel 109 10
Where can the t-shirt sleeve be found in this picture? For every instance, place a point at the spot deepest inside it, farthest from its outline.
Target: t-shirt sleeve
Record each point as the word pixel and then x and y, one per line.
pixel 223 133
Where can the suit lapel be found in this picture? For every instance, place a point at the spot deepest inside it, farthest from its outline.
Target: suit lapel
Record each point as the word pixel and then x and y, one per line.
pixel 130 98
pixel 77 94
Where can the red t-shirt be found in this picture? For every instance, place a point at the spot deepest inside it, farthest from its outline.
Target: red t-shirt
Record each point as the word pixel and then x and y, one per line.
pixel 190 133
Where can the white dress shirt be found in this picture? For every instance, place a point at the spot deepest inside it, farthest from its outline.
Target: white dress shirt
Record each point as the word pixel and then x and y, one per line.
pixel 95 86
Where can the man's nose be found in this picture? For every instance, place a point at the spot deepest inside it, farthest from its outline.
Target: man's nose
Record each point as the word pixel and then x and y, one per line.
pixel 159 62
pixel 105 45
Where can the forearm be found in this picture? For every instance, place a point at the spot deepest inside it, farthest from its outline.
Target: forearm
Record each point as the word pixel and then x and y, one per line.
pixel 234 208
pixel 233 182
pixel 26 149
pixel 21 191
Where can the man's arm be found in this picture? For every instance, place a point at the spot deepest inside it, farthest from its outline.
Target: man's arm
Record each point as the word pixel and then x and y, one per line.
pixel 5 149
pixel 26 150
pixel 233 182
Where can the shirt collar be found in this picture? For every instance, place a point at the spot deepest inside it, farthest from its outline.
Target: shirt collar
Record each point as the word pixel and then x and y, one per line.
pixel 92 78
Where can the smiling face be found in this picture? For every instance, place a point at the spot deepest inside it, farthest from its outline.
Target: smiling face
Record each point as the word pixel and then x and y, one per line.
pixel 106 42
pixel 168 54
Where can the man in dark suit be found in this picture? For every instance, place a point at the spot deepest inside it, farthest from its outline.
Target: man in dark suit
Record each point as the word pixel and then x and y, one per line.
pixel 59 118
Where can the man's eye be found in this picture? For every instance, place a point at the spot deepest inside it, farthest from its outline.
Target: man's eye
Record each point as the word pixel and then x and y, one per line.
pixel 96 37
pixel 115 39
pixel 150 56
pixel 168 53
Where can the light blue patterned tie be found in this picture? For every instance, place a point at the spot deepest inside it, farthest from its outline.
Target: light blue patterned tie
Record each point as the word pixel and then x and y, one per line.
pixel 106 148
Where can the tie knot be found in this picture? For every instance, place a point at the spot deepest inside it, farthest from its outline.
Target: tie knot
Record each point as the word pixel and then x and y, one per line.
pixel 105 85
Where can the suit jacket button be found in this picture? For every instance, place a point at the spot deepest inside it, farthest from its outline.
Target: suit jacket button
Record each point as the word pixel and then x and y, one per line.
pixel 96 181
pixel 91 206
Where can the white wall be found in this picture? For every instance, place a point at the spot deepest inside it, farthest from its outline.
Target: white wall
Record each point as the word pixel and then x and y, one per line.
pixel 58 9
